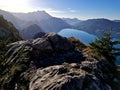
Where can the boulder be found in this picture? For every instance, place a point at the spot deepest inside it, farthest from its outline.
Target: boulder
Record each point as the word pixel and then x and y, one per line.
pixel 60 43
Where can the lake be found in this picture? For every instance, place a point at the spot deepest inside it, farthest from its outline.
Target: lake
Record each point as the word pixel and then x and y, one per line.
pixel 83 36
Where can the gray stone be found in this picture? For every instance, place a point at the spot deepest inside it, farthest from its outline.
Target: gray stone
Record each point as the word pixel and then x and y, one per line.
pixel 66 77
pixel 60 43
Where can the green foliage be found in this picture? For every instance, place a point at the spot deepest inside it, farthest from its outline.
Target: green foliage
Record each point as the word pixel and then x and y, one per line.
pixel 11 72
pixel 105 46
pixel 3 50
pixel 13 67
pixel 3 44
pixel 10 29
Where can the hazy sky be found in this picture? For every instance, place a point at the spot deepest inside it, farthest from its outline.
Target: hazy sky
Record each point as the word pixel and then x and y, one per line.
pixel 82 9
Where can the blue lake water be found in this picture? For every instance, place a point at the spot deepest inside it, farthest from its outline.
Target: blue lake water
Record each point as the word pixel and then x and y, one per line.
pixel 83 36
pixel 118 58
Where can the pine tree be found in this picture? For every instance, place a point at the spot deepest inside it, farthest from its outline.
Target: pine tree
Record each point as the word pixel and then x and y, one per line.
pixel 105 46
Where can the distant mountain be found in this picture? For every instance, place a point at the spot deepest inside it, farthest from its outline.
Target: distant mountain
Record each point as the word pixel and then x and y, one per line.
pixel 98 26
pixel 53 25
pixel 7 30
pixel 11 18
pixel 40 18
pixel 44 20
pixel 33 16
pixel 30 31
pixel 71 21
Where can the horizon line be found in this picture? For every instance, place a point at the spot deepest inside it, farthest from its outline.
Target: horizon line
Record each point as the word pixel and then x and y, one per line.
pixel 38 10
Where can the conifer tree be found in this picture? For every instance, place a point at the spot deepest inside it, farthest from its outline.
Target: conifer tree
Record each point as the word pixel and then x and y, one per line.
pixel 106 47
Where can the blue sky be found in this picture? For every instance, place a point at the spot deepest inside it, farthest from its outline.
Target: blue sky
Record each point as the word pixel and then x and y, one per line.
pixel 82 9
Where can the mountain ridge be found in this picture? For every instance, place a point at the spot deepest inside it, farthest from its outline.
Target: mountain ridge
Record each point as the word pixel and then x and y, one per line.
pixel 49 23
pixel 7 30
pixel 72 21
pixel 99 26
pixel 45 21
pixel 38 15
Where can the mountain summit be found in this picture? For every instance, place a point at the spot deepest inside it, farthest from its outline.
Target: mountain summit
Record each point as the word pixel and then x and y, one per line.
pixel 33 16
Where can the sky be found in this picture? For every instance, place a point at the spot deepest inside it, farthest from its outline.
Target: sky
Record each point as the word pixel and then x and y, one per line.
pixel 82 9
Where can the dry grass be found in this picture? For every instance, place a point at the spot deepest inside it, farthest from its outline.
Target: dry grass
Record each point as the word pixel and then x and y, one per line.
pixel 82 47
pixel 78 44
pixel 93 53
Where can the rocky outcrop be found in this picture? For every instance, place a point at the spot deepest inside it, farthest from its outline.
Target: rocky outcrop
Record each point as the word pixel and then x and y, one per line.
pixel 39 35
pixel 66 77
pixel 45 51
pixel 52 62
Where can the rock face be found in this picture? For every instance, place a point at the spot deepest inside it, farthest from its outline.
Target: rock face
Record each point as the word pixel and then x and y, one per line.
pixel 66 77
pixel 45 51
pixel 39 35
pixel 52 63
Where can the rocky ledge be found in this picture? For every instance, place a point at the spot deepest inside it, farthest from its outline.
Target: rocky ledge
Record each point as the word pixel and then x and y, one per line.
pixel 52 63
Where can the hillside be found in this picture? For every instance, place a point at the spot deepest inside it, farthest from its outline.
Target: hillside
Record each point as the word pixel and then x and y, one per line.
pixel 98 26
pixel 71 21
pixel 43 20
pixel 53 25
pixel 33 16
pixel 8 31
pixel 30 31
pixel 8 34
pixel 11 18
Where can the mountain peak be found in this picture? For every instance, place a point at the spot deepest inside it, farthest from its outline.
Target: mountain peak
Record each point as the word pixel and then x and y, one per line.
pixel 38 12
pixel 33 16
